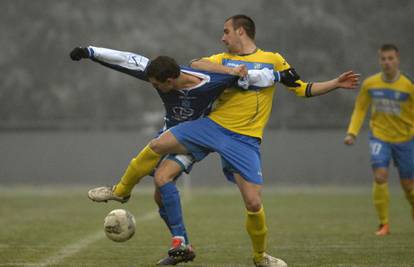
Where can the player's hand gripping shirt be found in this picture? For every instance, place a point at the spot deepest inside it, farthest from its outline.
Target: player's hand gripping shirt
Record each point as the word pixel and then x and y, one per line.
pixel 392 108
pixel 189 103
pixel 247 112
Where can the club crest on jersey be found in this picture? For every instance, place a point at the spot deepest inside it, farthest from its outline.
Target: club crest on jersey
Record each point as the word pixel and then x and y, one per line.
pixel 182 113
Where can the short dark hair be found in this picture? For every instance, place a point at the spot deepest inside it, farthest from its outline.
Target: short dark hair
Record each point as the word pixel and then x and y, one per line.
pixel 245 22
pixel 389 47
pixel 162 68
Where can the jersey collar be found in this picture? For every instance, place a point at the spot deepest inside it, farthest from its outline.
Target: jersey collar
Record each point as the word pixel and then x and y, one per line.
pixel 204 79
pixel 396 78
pixel 248 54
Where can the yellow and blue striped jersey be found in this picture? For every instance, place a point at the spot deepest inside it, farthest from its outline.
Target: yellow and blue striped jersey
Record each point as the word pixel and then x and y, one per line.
pixel 392 108
pixel 247 112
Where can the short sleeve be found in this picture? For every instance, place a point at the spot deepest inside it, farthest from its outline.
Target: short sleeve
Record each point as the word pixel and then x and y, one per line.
pixel 280 62
pixel 280 65
pixel 217 58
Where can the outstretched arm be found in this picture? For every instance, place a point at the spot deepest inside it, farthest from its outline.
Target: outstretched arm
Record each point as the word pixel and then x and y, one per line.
pixel 125 62
pixel 289 77
pixel 347 80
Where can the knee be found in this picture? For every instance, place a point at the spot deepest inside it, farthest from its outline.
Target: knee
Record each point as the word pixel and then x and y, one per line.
pixel 254 205
pixel 407 185
pixel 156 146
pixel 161 178
pixel 381 177
pixel 134 163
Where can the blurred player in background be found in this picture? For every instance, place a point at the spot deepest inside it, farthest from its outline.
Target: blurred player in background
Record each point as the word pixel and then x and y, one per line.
pixel 391 96
pixel 187 94
pixel 235 127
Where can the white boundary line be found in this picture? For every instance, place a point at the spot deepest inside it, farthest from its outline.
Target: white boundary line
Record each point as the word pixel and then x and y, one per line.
pixel 74 248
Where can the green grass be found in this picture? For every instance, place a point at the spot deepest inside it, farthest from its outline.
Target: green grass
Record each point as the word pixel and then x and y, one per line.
pixel 307 227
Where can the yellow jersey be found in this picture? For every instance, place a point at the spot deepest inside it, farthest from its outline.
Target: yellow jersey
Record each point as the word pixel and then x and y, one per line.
pixel 247 112
pixel 392 108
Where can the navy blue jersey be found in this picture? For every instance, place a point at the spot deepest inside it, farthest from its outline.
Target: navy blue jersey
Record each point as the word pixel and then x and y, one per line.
pixel 180 105
pixel 187 105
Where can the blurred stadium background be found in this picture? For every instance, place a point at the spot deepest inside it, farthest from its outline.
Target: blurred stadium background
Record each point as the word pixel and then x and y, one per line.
pixel 63 122
pixel 66 126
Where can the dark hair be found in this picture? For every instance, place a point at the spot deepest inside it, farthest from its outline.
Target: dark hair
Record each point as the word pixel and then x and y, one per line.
pixel 162 68
pixel 245 22
pixel 388 47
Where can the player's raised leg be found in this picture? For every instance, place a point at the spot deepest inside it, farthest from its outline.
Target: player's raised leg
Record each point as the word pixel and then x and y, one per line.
pixel 140 166
pixel 171 212
pixel 256 223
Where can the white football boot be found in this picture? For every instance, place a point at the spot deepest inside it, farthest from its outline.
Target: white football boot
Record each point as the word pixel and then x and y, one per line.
pixel 105 193
pixel 269 261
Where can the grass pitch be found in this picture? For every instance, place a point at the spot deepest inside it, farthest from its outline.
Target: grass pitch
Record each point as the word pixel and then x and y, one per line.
pixel 307 227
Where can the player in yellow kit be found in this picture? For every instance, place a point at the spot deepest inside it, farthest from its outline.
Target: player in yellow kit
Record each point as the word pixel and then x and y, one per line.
pixel 390 94
pixel 235 128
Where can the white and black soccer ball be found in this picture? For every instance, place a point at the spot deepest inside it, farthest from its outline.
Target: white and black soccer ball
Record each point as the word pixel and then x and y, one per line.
pixel 119 225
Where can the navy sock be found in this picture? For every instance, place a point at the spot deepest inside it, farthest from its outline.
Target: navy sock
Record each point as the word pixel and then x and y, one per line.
pixel 163 215
pixel 172 205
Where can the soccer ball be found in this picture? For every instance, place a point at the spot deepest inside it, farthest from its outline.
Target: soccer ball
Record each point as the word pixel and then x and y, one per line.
pixel 119 225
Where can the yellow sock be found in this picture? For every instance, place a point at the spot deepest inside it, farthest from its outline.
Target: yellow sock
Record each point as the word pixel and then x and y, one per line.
pixel 256 227
pixel 381 198
pixel 410 198
pixel 140 166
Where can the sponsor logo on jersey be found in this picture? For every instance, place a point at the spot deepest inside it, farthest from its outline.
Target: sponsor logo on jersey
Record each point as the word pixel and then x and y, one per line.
pixel 257 66
pixel 250 65
pixel 387 100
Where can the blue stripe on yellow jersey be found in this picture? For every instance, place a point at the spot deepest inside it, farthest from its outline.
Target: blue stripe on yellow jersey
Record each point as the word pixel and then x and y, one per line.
pixel 388 94
pixel 250 65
